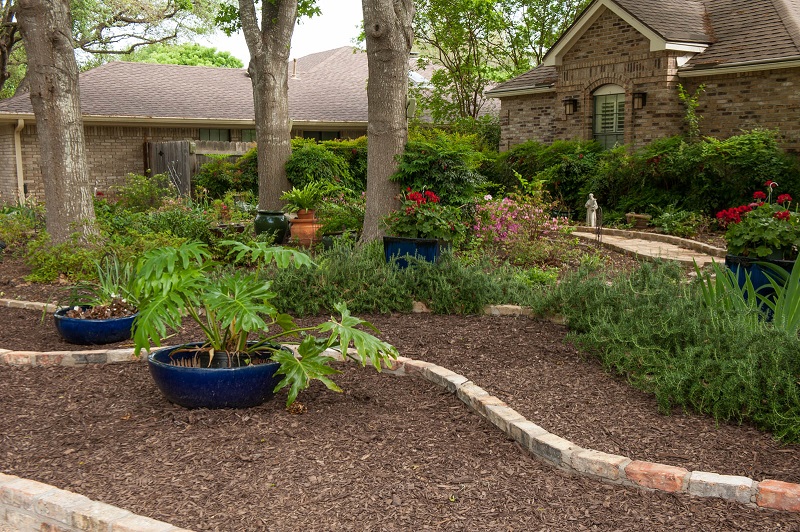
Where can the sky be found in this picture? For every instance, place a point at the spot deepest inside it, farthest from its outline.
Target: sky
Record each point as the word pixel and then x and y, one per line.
pixel 338 25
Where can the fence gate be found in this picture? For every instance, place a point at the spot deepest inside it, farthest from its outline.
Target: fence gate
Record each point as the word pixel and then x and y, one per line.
pixel 173 158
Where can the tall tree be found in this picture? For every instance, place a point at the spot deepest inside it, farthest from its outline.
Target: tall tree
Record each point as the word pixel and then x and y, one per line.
pixel 387 27
pixel 477 43
pixel 115 26
pixel 53 72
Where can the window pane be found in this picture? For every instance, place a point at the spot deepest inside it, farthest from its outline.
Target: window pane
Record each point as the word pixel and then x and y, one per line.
pixel 248 135
pixel 215 134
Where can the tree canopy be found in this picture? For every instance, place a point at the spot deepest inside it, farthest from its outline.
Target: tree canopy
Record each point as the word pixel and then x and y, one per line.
pixel 184 54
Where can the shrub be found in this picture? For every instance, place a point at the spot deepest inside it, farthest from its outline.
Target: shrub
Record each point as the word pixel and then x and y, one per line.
pixel 19 222
pixel 245 178
pixel 354 152
pixel 678 222
pixel 215 178
pixel 177 219
pixel 74 260
pixel 315 163
pixel 445 163
pixel 341 212
pixel 141 193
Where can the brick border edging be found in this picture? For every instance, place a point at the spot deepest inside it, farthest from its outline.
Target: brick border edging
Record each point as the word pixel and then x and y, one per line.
pixel 687 243
pixel 30 505
pixel 615 469
pixel 550 448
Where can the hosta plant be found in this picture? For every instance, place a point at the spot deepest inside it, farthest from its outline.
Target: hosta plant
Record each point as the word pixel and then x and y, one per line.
pixel 236 314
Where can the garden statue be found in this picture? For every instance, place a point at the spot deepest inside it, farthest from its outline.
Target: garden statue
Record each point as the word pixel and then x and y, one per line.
pixel 591 211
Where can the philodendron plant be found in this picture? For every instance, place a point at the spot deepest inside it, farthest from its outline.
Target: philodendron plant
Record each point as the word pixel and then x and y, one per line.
pixel 231 306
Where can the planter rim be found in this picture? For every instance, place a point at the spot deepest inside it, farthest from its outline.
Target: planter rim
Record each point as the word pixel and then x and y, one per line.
pixel 410 239
pixel 60 314
pixel 151 359
pixel 264 211
pixel 741 259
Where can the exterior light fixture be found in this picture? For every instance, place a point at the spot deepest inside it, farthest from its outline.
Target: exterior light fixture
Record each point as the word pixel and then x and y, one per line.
pixel 570 105
pixel 639 100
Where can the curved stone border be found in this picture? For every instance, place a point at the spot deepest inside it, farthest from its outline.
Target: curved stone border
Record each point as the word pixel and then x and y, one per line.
pixel 687 243
pixel 19 498
pixel 30 505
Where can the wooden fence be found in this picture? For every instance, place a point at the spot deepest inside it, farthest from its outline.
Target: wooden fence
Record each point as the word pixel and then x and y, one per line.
pixel 182 159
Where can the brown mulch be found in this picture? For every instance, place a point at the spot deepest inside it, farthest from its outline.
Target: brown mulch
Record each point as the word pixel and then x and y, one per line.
pixel 388 454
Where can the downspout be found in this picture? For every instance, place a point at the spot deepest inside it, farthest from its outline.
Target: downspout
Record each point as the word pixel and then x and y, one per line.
pixel 18 153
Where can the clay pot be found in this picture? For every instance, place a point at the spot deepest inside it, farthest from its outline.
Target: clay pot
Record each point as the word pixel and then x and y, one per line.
pixel 304 228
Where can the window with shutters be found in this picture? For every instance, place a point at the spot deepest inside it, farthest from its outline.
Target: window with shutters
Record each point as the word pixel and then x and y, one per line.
pixel 609 115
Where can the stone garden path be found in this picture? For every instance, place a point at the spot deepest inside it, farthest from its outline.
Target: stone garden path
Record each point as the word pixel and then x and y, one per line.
pixel 654 246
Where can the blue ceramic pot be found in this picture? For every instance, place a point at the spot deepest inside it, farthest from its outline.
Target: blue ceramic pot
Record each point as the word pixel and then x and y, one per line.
pixel 217 386
pixel 396 249
pixel 92 332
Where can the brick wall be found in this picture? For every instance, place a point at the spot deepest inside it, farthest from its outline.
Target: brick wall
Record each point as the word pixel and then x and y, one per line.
pixel 733 102
pixel 527 118
pixel 8 165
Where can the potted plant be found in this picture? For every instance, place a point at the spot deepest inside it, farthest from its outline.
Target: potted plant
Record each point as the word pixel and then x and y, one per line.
pixel 761 232
pixel 421 228
pixel 231 214
pixel 101 313
pixel 304 202
pixel 238 360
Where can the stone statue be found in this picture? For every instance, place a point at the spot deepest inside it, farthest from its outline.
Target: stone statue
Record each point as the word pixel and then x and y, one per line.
pixel 591 211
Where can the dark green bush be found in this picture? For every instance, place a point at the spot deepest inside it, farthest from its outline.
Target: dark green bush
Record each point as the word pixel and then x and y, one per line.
pixel 354 152
pixel 245 179
pixel 444 163
pixel 140 193
pixel 215 178
pixel 314 163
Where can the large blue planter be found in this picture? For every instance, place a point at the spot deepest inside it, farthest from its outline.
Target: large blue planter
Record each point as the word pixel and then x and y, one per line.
pixel 92 332
pixel 759 274
pixel 396 249
pixel 212 387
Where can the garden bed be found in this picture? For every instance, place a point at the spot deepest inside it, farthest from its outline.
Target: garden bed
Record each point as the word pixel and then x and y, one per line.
pixel 388 453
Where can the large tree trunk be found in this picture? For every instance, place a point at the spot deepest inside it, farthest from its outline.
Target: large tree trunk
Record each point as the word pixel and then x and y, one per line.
pixel 387 24
pixel 269 59
pixel 47 31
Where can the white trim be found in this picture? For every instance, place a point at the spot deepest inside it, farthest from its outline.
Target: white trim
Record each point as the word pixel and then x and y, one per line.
pixel 588 17
pixel 524 91
pixel 18 159
pixel 735 68
pixel 608 89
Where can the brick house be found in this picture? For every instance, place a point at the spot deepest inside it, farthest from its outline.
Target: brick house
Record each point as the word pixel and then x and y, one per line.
pixel 127 105
pixel 614 74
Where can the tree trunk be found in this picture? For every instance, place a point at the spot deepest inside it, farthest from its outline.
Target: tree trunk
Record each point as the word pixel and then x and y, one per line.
pixel 387 24
pixel 269 60
pixel 8 36
pixel 47 31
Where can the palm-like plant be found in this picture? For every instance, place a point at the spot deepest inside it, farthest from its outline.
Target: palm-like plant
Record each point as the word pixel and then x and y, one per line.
pixel 177 282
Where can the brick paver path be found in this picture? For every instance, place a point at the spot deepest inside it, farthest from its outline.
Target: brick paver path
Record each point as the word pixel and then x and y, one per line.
pixel 650 249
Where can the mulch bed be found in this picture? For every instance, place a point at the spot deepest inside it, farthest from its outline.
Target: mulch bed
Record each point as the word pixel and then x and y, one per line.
pixel 388 454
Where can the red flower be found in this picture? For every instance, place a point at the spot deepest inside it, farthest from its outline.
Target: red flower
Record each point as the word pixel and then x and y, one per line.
pixel 784 198
pixel 782 215
pixel 771 184
pixel 759 195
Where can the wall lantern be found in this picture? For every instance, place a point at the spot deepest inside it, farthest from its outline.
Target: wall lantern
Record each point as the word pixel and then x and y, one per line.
pixel 570 106
pixel 639 100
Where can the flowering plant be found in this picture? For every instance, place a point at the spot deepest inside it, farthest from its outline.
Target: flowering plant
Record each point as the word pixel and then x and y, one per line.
pixel 421 215
pixel 763 229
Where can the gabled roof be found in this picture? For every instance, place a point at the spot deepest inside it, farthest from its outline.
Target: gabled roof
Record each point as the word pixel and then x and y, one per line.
pixel 720 35
pixel 328 87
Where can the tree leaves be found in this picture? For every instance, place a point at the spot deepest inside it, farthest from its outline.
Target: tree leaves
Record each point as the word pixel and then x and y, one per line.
pixel 299 372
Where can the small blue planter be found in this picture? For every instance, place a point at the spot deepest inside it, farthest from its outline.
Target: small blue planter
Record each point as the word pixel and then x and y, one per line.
pixel 395 249
pixel 212 387
pixel 92 332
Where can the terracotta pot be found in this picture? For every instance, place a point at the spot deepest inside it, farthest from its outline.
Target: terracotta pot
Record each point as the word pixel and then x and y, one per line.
pixel 304 228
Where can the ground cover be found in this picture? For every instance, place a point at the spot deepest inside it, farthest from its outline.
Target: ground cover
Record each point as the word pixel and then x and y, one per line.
pixel 389 453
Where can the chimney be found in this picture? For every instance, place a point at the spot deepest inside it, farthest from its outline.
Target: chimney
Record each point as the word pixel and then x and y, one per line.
pixel 294 67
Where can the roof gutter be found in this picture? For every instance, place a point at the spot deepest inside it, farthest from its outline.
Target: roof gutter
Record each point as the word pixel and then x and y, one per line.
pixel 742 66
pixel 521 91
pixel 178 121
pixel 18 157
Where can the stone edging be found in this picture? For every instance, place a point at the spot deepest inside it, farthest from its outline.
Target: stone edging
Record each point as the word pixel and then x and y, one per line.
pixel 30 505
pixel 686 243
pixel 29 305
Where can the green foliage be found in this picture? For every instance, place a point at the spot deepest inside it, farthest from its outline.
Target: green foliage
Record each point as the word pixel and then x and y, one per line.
pixel 74 260
pixel 445 163
pixel 307 197
pixel 678 222
pixel 215 178
pixel 173 283
pixel 184 54
pixel 763 233
pixel 421 215
pixel 189 222
pixel 784 306
pixel 691 102
pixel 245 178
pixel 315 163
pixel 340 212
pixel 19 222
pixel 354 152
pixel 141 193
pixel 114 280
pixel 655 330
